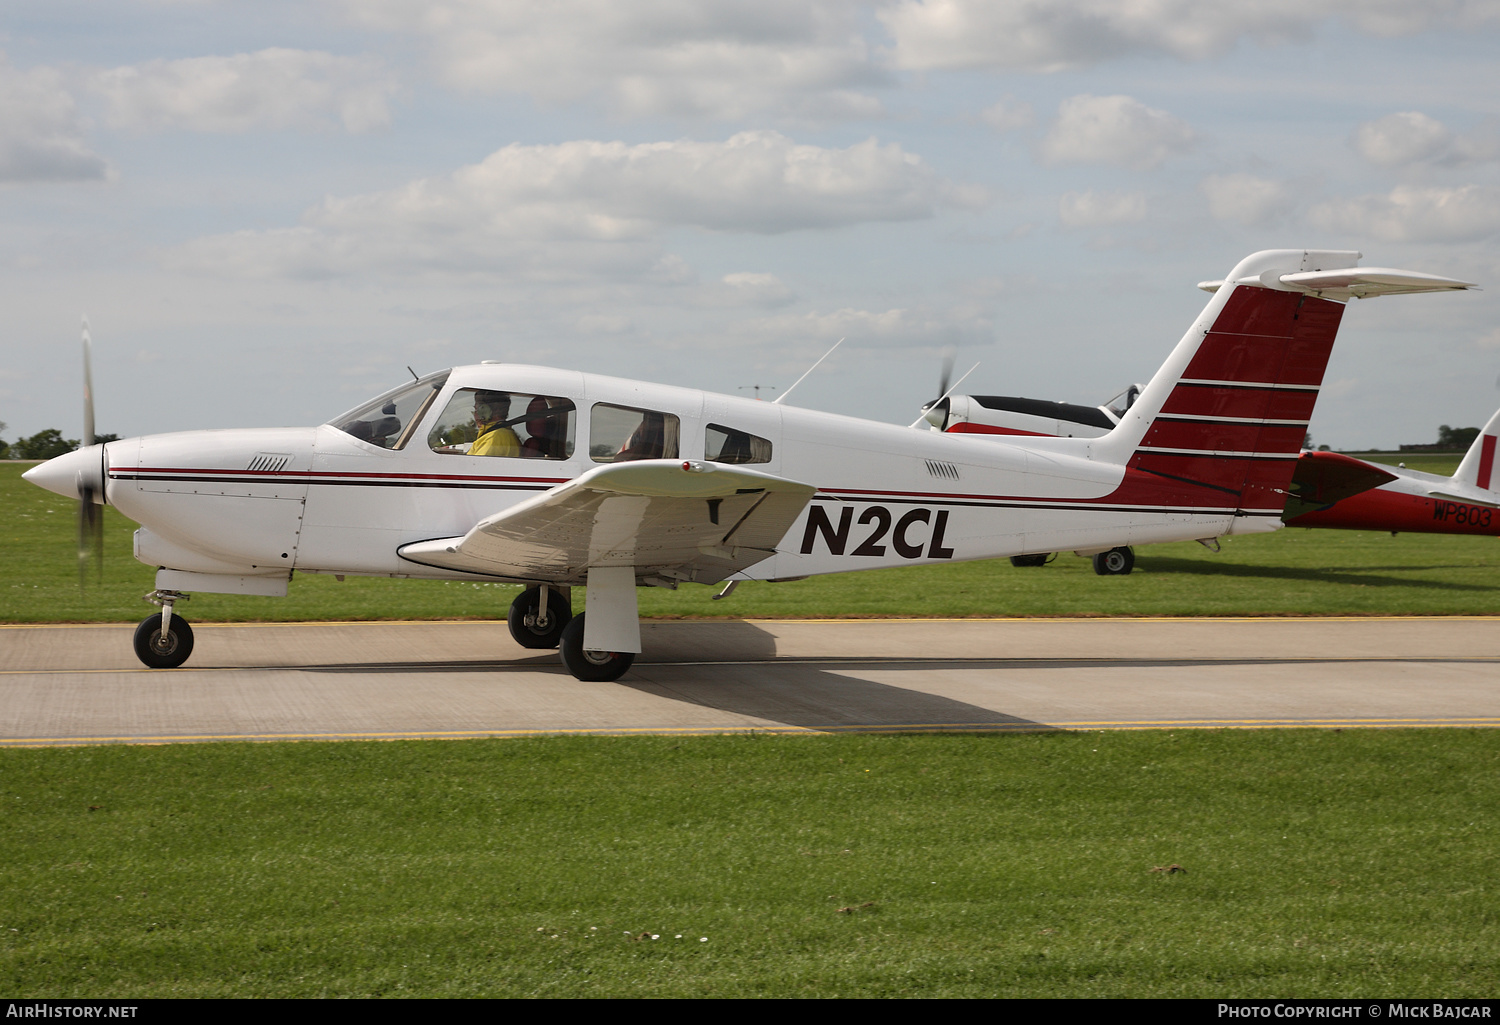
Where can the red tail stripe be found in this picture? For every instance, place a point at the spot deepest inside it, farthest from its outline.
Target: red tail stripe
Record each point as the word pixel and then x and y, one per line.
pixel 1220 437
pixel 1250 403
pixel 1486 460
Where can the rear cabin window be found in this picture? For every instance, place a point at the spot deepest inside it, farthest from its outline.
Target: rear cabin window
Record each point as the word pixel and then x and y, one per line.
pixel 480 422
pixel 727 445
pixel 618 434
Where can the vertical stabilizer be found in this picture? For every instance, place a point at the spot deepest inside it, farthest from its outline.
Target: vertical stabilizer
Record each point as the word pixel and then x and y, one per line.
pixel 1478 469
pixel 1222 422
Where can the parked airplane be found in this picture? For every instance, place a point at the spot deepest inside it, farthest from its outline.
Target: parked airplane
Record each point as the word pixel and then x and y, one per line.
pixel 1328 489
pixel 554 478
pixel 1413 501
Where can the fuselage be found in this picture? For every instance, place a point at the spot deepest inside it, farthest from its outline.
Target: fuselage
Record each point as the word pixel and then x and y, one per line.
pixel 344 497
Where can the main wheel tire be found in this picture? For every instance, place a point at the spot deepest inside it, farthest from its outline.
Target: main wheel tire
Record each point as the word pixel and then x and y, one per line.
pixel 593 666
pixel 158 653
pixel 527 603
pixel 1115 563
pixel 1030 560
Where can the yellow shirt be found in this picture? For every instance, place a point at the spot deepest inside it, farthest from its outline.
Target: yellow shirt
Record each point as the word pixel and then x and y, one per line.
pixel 499 441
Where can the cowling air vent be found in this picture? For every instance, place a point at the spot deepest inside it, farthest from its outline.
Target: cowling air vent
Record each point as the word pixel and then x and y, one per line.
pixel 269 462
pixel 941 469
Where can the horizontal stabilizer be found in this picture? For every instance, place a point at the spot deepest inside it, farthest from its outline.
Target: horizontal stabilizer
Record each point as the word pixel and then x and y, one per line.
pixel 1322 478
pixel 1351 282
pixel 681 520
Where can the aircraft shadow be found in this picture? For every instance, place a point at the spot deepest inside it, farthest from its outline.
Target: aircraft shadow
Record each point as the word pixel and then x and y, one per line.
pixel 732 666
pixel 1157 564
pixel 810 697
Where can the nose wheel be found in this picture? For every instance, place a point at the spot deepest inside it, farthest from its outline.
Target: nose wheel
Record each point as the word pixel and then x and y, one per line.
pixel 530 625
pixel 160 649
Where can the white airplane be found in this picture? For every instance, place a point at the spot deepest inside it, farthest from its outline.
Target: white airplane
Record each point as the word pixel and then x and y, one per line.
pixel 555 479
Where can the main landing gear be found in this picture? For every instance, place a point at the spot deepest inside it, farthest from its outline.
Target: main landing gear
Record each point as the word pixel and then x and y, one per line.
pixel 587 664
pixel 164 641
pixel 1116 562
pixel 542 617
pixel 539 615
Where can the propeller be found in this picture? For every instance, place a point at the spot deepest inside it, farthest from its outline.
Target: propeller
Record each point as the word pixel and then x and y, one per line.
pixel 936 411
pixel 949 354
pixel 90 485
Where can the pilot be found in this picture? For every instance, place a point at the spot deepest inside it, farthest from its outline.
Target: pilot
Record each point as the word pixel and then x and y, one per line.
pixel 495 439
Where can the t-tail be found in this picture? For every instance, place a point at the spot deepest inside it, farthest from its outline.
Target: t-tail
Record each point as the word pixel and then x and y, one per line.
pixel 1478 468
pixel 1224 419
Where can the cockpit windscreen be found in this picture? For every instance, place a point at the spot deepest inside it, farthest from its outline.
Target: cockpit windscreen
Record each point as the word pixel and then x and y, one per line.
pixel 387 421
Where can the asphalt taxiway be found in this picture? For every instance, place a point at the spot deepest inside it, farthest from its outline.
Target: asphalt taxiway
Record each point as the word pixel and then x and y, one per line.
pixel 82 684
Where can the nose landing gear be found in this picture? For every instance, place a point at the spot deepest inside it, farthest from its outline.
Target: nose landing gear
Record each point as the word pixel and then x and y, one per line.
pixel 164 641
pixel 538 615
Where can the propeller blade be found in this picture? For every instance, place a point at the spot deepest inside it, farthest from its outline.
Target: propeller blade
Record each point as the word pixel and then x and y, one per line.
pixel 90 491
pixel 90 536
pixel 949 354
pixel 88 385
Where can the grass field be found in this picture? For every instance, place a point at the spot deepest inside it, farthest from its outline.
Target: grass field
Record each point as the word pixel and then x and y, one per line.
pixel 1313 864
pixel 1290 572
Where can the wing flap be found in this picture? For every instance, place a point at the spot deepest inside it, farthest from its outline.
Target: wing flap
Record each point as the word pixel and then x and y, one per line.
pixel 689 520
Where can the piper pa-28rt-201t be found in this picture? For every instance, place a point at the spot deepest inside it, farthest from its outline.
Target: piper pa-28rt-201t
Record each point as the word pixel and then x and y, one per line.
pixel 554 479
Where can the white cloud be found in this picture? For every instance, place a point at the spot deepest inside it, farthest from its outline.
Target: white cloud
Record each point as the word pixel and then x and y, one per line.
pixel 41 138
pixel 1411 137
pixel 895 328
pixel 1416 214
pixel 1053 35
pixel 751 289
pixel 1247 199
pixel 1008 114
pixel 594 197
pixel 268 89
pixel 1100 209
pixel 803 59
pixel 1118 130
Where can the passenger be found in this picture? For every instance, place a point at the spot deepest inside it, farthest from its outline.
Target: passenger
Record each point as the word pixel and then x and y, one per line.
pixel 491 408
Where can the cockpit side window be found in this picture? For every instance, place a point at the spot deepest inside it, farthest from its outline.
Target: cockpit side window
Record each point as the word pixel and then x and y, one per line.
pixel 727 445
pixel 618 434
pixel 387 421
pixel 1123 401
pixel 481 422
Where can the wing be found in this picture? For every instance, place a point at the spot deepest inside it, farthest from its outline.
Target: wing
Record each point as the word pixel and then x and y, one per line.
pixel 697 521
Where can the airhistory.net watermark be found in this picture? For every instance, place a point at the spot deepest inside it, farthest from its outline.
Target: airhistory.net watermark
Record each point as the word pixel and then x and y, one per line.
pixel 43 1009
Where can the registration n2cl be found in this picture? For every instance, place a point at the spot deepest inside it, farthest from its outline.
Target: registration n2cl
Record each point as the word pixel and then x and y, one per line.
pixel 616 484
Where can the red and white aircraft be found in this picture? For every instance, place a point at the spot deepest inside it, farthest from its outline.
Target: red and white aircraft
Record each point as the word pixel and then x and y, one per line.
pixel 555 478
pixel 1328 489
pixel 1412 501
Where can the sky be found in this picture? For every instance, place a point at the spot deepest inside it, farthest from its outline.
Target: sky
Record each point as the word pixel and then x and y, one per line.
pixel 269 211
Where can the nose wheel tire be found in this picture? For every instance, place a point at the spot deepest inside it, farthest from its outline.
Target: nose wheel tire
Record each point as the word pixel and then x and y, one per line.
pixel 528 606
pixel 592 666
pixel 159 653
pixel 1115 563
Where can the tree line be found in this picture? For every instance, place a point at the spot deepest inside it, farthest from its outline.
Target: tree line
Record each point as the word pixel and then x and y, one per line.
pixel 44 444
